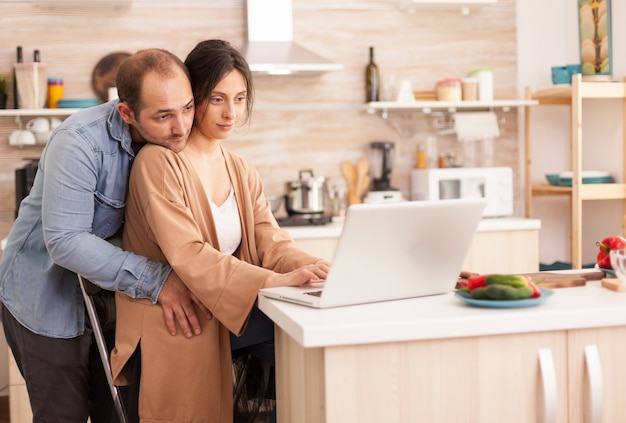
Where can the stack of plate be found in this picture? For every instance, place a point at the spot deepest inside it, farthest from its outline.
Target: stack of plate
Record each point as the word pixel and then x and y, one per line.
pixel 588 177
pixel 78 103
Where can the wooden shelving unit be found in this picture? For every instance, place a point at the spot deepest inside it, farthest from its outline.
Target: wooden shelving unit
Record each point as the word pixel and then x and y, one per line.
pixel 573 96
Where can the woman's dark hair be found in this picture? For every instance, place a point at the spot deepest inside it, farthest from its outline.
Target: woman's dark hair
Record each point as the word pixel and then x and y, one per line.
pixel 209 62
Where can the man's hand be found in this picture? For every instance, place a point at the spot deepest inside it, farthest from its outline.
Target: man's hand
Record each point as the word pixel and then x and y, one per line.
pixel 177 302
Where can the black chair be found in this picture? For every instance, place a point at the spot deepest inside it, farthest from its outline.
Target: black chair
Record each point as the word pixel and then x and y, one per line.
pixel 102 349
pixel 254 391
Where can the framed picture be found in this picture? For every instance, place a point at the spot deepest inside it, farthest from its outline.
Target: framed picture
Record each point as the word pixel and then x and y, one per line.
pixel 595 40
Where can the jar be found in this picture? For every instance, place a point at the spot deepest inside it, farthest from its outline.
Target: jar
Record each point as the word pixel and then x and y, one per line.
pixel 449 89
pixel 420 158
pixel 55 92
pixel 470 89
pixel 485 83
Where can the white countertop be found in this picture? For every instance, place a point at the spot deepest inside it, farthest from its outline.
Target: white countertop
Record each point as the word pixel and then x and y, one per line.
pixel 332 230
pixel 444 316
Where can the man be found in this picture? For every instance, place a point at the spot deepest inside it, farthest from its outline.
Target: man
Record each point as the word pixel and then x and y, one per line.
pixel 76 203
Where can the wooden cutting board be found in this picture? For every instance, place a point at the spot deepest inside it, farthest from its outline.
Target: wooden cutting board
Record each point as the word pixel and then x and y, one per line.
pixel 563 280
pixel 552 280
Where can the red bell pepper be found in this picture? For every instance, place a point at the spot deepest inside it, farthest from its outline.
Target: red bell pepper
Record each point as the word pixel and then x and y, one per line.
pixel 478 281
pixel 603 259
pixel 536 291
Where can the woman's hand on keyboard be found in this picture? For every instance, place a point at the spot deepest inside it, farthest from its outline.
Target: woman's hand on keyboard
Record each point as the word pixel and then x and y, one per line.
pixel 309 273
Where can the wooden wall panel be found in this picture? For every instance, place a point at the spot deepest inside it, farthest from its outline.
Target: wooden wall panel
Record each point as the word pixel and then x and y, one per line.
pixel 300 122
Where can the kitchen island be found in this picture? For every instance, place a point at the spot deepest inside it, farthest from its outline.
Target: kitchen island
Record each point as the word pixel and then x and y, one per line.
pixel 437 359
pixel 501 245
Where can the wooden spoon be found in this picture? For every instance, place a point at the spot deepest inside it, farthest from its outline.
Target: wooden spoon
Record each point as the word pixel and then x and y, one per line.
pixel 350 173
pixel 363 178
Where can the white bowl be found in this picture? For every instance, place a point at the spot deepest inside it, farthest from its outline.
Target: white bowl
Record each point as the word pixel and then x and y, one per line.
pixel 42 137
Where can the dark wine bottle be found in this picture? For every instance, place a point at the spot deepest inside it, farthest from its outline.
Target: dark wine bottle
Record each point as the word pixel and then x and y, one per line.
pixel 36 56
pixel 20 59
pixel 372 80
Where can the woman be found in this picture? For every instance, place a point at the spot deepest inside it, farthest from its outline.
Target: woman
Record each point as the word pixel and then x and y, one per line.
pixel 203 211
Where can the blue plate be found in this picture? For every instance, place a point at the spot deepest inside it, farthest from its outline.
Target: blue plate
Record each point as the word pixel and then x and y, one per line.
pixel 529 302
pixel 553 178
pixel 567 182
pixel 78 103
pixel 607 271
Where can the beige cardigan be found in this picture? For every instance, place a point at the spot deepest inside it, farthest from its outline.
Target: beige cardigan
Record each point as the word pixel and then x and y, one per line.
pixel 168 219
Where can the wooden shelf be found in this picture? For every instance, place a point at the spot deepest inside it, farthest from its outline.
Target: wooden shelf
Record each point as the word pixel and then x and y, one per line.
pixel 587 191
pixel 572 95
pixel 562 94
pixel 37 112
pixel 427 107
pixel 401 116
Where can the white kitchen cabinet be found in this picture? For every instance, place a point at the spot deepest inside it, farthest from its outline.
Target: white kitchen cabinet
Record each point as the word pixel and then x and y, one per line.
pixel 434 359
pixel 321 247
pixel 504 251
pixel 517 378
pixel 610 375
pixel 482 380
pixel 499 246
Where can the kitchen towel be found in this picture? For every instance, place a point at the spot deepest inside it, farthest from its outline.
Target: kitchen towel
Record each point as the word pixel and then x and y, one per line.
pixel 476 126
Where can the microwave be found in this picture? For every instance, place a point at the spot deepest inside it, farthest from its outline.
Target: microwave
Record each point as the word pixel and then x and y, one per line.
pixel 495 184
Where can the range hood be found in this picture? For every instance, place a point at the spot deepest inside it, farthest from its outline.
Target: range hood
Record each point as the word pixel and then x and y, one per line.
pixel 270 48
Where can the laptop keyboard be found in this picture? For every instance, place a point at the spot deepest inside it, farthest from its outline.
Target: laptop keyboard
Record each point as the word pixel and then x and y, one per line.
pixel 314 293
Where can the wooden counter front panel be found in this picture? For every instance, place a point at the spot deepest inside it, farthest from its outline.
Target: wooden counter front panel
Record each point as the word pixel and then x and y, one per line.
pixel 515 251
pixel 481 380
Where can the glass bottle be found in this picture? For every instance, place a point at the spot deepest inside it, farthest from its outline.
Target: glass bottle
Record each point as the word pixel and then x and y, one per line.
pixel 372 80
pixel 20 59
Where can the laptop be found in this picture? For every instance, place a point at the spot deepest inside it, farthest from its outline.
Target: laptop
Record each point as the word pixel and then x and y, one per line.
pixel 393 251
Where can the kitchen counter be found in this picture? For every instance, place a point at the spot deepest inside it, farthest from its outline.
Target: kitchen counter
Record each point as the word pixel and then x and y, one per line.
pixel 485 255
pixel 491 224
pixel 408 360
pixel 444 316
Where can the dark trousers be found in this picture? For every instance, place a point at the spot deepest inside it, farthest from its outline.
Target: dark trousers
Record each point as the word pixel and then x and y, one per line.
pixel 65 378
pixel 258 340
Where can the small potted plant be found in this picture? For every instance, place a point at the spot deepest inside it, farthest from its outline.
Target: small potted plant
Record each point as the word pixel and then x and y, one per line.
pixel 3 92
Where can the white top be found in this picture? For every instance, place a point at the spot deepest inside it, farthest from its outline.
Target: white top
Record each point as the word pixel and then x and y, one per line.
pixel 227 223
pixel 444 316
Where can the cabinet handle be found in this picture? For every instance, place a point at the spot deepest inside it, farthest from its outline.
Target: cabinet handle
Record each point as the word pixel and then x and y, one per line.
pixel 594 373
pixel 548 379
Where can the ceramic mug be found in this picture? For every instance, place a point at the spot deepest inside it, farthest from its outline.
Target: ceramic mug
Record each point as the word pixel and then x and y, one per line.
pixel 38 125
pixel 618 262
pixel 22 137
pixel 42 137
pixel 54 122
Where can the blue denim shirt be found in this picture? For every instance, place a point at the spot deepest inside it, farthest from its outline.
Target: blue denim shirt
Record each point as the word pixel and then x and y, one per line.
pixel 76 202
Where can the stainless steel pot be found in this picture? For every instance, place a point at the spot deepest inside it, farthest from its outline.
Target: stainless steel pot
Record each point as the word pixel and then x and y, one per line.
pixel 307 195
